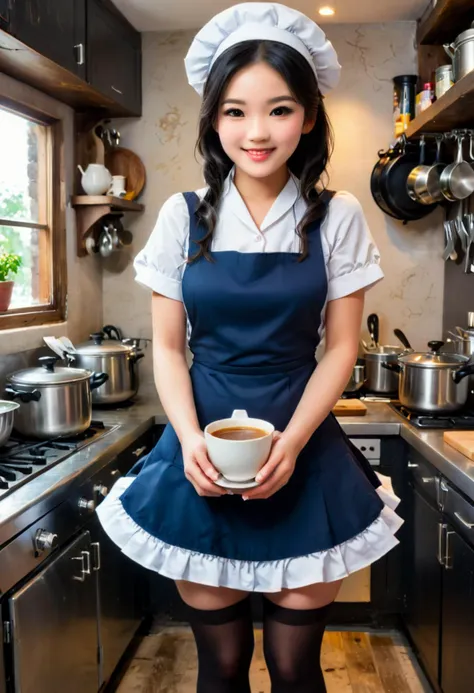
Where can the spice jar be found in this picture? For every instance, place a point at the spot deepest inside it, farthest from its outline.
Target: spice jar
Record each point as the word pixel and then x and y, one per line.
pixel 444 80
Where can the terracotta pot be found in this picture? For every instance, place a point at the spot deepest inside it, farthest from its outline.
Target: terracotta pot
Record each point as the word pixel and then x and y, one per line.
pixel 6 289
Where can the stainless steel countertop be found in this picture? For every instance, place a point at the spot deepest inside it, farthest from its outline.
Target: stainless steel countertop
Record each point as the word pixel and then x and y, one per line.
pixel 44 492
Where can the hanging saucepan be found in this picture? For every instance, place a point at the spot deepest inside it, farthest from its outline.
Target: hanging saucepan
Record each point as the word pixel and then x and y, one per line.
pixel 55 401
pixel 457 179
pixel 433 383
pixel 423 183
pixel 388 183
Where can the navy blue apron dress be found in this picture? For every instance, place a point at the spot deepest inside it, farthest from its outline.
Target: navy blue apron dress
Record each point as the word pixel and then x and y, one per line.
pixel 255 320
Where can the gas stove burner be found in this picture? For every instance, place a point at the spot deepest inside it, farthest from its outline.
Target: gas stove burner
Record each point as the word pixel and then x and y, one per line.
pixel 463 420
pixel 21 458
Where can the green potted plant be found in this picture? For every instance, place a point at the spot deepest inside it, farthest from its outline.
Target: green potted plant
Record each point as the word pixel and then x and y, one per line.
pixel 9 264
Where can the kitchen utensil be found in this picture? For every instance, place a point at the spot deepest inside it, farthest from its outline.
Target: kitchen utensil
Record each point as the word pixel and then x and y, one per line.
pixel 96 179
pixel 433 382
pixel 388 183
pixel 449 251
pixel 461 53
pixel 349 407
pixel 377 379
pixel 124 162
pixel 91 244
pixel 423 183
pixel 356 380
pixel 55 345
pixel 55 401
pixel 117 187
pixel 463 441
pixel 106 242
pixel 7 410
pixel 116 359
pixel 403 338
pixel 71 349
pixel 457 179
pixel 373 327
pixel 125 236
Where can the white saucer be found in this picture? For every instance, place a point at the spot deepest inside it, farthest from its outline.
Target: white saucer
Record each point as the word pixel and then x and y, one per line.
pixel 226 483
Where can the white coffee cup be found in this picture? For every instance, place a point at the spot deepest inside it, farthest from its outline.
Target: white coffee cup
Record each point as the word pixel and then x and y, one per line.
pixel 239 460
pixel 117 187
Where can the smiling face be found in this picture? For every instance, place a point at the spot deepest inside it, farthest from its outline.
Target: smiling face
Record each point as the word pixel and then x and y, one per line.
pixel 259 121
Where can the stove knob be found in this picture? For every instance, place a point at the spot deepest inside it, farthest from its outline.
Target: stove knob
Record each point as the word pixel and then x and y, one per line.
pixel 45 540
pixel 101 490
pixel 88 505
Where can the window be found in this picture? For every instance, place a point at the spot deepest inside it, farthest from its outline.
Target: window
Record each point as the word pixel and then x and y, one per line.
pixel 31 219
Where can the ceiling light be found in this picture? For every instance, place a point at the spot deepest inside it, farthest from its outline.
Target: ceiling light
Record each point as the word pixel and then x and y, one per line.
pixel 326 11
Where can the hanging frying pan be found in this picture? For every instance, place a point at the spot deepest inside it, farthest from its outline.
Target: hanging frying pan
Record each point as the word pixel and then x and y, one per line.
pixel 389 183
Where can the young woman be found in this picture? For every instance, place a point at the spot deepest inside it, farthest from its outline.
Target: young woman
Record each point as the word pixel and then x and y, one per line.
pixel 255 267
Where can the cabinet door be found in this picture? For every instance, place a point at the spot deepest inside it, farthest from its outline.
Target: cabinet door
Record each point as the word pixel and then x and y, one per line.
pixel 5 15
pixel 54 626
pixel 458 616
pixel 113 56
pixel 424 584
pixel 53 28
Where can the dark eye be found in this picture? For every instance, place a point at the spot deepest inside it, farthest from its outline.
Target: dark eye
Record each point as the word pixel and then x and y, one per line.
pixel 234 112
pixel 282 110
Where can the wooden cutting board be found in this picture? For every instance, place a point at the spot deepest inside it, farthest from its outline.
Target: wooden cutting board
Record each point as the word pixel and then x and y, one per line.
pixel 463 441
pixel 349 407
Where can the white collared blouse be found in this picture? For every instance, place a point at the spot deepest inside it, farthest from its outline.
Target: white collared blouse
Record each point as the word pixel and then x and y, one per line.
pixel 352 259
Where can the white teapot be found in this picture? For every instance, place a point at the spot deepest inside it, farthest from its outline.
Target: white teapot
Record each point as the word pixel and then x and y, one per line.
pixel 96 179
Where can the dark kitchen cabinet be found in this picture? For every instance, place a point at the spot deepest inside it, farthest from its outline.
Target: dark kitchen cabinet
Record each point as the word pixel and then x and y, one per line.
pixel 53 28
pixel 4 14
pixel 457 615
pixel 113 56
pixel 423 588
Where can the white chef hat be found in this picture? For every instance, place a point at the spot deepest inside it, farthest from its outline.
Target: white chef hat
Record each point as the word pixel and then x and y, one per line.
pixel 263 21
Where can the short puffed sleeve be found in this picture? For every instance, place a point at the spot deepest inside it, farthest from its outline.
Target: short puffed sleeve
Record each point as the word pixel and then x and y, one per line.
pixel 160 265
pixel 352 258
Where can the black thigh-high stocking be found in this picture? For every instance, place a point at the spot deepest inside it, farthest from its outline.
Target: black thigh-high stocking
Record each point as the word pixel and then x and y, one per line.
pixel 292 644
pixel 225 642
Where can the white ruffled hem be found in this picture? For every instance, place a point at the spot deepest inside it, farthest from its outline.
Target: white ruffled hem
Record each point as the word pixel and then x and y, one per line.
pixel 252 576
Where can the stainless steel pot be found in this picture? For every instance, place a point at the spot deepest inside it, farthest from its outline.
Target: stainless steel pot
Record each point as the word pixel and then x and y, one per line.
pixel 433 382
pixel 115 358
pixel 54 401
pixel 6 419
pixel 461 53
pixel 356 380
pixel 378 379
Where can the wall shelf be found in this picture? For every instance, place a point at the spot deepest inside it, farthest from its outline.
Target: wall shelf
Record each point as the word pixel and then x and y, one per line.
pixel 447 19
pixel 91 208
pixel 453 110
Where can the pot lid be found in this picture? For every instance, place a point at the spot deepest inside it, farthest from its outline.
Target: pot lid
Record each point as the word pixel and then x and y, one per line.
pixel 99 345
pixel 465 36
pixel 432 360
pixel 48 374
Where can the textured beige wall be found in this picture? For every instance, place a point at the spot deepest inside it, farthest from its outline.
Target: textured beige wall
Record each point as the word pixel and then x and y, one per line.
pixel 84 283
pixel 361 111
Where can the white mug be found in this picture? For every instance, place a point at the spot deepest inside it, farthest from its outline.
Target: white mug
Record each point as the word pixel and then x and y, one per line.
pixel 117 188
pixel 239 460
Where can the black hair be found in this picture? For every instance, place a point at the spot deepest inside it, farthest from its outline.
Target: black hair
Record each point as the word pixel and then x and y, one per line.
pixel 308 162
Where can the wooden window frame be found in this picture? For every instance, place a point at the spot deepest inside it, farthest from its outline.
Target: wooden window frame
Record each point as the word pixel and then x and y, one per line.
pixel 52 245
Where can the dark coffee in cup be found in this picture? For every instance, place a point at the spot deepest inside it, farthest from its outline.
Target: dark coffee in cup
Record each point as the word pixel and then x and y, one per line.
pixel 239 433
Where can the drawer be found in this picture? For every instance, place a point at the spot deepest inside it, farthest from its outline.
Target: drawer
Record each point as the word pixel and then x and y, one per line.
pixel 423 475
pixel 460 512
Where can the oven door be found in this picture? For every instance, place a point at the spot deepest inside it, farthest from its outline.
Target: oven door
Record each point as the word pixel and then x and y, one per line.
pixel 54 626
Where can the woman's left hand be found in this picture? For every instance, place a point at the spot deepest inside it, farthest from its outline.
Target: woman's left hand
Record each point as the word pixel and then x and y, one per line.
pixel 277 470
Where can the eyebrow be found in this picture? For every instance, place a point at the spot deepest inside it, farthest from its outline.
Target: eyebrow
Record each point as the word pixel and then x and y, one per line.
pixel 276 99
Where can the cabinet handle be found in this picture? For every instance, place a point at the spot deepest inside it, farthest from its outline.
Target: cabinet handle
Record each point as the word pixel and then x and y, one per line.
pixel 139 451
pixel 96 553
pixel 79 53
pixel 448 564
pixel 440 543
pixel 469 525
pixel 117 90
pixel 428 479
pixel 412 465
pixel 85 559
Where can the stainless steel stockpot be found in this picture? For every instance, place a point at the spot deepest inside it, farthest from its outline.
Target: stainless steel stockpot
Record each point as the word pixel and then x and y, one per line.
pixel 378 379
pixel 54 401
pixel 7 410
pixel 115 358
pixel 433 382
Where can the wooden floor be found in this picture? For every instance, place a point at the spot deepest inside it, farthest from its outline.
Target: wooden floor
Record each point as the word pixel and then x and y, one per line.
pixel 353 662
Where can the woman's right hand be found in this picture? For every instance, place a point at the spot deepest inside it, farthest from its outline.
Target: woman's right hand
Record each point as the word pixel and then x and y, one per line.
pixel 197 467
